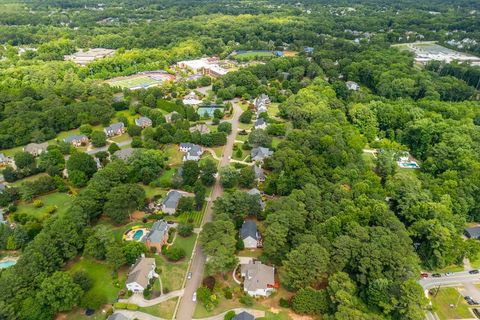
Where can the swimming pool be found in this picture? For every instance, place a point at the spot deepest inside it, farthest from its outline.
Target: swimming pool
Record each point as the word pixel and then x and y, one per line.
pixel 8 263
pixel 138 235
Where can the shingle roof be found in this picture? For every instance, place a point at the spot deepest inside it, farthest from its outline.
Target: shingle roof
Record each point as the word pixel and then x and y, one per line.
pixel 140 271
pixel 117 316
pixel 257 276
pixel 243 316
pixel 158 231
pixel 260 122
pixel 124 154
pixel 249 229
pixel 115 126
pixel 172 198
pixel 140 121
pixel 260 153
pixel 77 137
pixel 473 232
pixel 259 173
pixel 35 147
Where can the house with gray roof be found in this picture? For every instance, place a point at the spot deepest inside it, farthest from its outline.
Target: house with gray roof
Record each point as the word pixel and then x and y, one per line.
pixel 115 129
pixel 3 186
pixel 201 128
pixel 257 193
pixel 118 316
pixel 192 151
pixel 157 236
pixel 124 154
pixel 351 85
pixel 77 140
pixel 249 234
pixel 36 149
pixel 4 160
pixel 260 153
pixel 259 279
pixel 473 233
pixel 259 173
pixel 261 100
pixel 170 203
pixel 143 122
pixel 141 273
pixel 261 124
pixel 244 315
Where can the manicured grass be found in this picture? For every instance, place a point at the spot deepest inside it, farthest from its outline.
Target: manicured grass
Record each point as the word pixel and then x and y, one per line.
pixel 174 155
pixel 475 262
pixel 272 110
pixel 127 114
pixel 101 274
pixel 30 178
pixel 218 151
pixel 255 253
pixel 442 304
pixel 276 141
pixel 120 138
pixel 79 314
pixel 240 137
pixel 205 157
pixel 119 231
pixel 245 126
pixel 62 201
pixel 173 273
pixel 250 55
pixel 162 310
pixel 452 268
pixel 183 217
pixel 150 192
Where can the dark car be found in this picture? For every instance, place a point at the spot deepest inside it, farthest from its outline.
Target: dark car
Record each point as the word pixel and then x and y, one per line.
pixel 424 275
pixel 474 271
pixel 477 313
pixel 436 275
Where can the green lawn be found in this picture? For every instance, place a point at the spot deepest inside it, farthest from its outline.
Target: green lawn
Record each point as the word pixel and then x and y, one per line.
pixel 276 141
pixel 240 137
pixel 174 155
pixel 250 55
pixel 79 314
pixel 127 114
pixel 238 146
pixel 245 126
pixel 30 178
pixel 162 310
pixel 120 138
pixel 173 273
pixel 101 275
pixel 62 201
pixel 272 110
pixel 150 192
pixel 442 305
pixel 183 217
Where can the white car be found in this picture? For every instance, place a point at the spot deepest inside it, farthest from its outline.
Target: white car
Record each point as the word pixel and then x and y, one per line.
pixel 448 274
pixel 189 276
pixel 194 298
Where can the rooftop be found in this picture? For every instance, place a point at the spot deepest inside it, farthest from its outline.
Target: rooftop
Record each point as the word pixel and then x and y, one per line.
pixel 257 276
pixel 249 229
pixel 158 231
pixel 172 198
pixel 140 271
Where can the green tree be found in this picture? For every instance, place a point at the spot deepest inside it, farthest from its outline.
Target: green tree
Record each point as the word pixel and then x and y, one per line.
pixel 190 172
pixel 115 256
pixel 24 160
pixel 133 250
pixel 122 200
pixel 80 161
pixel 59 293
pixel 228 177
pixel 208 171
pixel 98 138
pixel 246 117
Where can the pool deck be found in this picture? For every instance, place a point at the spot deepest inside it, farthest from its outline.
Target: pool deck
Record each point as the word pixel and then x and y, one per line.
pixel 8 259
pixel 129 235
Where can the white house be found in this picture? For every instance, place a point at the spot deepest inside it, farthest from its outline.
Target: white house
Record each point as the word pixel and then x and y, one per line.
pixel 140 275
pixel 351 85
pixel 115 129
pixel 259 279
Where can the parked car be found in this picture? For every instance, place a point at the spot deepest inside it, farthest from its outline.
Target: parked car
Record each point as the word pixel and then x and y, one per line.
pixel 474 271
pixel 448 274
pixel 436 275
pixel 424 275
pixel 189 276
pixel 194 298
pixel 477 313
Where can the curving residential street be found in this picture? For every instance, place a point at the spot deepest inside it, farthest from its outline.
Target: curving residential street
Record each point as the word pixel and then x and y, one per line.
pixel 186 306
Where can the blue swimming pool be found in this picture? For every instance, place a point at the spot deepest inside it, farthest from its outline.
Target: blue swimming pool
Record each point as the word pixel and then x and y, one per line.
pixel 138 235
pixel 8 263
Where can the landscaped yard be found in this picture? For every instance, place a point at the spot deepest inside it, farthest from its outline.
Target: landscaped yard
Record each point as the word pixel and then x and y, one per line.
pixel 184 217
pixel 445 299
pixel 120 138
pixel 174 155
pixel 173 273
pixel 150 192
pixel 127 114
pixel 276 141
pixel 272 110
pixel 62 201
pixel 162 310
pixel 101 275
pixel 18 183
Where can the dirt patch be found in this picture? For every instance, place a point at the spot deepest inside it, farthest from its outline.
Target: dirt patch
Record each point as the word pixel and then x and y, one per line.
pixel 295 316
pixel 138 215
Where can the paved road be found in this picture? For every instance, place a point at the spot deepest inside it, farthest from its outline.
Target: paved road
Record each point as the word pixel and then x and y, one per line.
pixel 457 278
pixel 186 306
pixel 105 148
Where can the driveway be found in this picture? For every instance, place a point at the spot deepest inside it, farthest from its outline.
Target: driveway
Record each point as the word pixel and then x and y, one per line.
pixel 186 307
pixel 139 300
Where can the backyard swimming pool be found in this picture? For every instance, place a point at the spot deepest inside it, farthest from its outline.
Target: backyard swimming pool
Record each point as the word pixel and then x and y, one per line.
pixel 138 235
pixel 7 263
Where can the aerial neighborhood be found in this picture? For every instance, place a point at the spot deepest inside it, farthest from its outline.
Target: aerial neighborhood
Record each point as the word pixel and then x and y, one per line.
pixel 240 160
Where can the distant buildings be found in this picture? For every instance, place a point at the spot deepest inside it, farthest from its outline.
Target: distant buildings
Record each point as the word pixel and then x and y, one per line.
pixel 191 99
pixel 84 57
pixel 36 149
pixel 77 140
pixel 259 173
pixel 207 66
pixel 169 116
pixel 143 122
pixel 115 129
pixel 473 233
pixel 140 275
pixel 4 160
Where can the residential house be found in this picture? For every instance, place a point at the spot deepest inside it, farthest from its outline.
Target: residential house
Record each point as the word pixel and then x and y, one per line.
pixel 261 109
pixel 201 128
pixel 192 151
pixel 140 275
pixel 260 153
pixel 259 279
pixel 351 85
pixel 115 129
pixel 473 233
pixel 4 160
pixel 191 99
pixel 244 315
pixel 2 219
pixel 143 122
pixel 260 124
pixel 256 192
pixel 157 236
pixel 170 203
pixel 261 101
pixel 308 50
pixel 124 154
pixel 77 140
pixel 118 316
pixel 249 234
pixel 169 116
pixel 3 186
pixel 259 173
pixel 36 149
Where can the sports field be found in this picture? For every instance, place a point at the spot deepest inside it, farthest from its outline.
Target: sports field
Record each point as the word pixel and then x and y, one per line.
pixel 253 54
pixel 141 80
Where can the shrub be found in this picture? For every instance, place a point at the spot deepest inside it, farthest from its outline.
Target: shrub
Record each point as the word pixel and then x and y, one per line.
pixel 120 305
pixel 175 254
pixel 227 292
pixel 131 306
pixel 246 300
pixel 284 303
pixel 153 249
pixel 185 229
pixel 229 315
pixel 51 209
pixel 209 282
pixel 38 203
